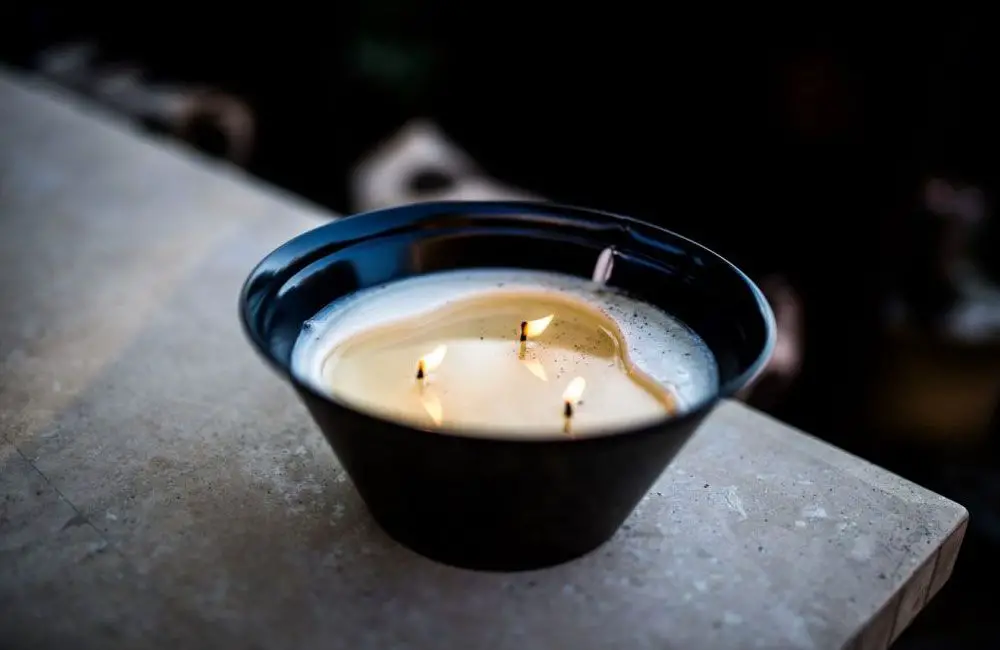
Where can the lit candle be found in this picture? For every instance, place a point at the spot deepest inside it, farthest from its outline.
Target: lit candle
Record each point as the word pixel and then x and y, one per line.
pixel 531 329
pixel 429 362
pixel 504 351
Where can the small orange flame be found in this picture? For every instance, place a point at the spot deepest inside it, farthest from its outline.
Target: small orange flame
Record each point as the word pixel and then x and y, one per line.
pixel 433 407
pixel 574 391
pixel 536 369
pixel 429 362
pixel 534 328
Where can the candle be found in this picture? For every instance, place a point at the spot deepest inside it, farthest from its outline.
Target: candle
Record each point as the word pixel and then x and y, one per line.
pixel 504 351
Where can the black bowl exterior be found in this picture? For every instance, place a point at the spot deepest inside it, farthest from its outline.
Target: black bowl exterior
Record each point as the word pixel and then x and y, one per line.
pixel 492 504
pixel 487 502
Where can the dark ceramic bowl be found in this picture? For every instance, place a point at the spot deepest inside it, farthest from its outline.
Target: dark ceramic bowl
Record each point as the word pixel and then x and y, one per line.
pixel 495 503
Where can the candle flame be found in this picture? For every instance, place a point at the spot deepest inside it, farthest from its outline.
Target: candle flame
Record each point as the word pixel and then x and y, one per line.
pixel 536 369
pixel 433 359
pixel 574 391
pixel 536 327
pixel 433 407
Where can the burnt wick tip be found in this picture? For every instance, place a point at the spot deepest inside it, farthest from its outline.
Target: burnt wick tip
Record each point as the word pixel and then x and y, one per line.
pixel 568 409
pixel 524 331
pixel 420 371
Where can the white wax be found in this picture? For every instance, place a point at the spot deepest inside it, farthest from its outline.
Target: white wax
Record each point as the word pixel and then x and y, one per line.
pixel 364 348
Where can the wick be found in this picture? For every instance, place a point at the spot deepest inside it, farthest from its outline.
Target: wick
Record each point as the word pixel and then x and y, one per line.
pixel 567 417
pixel 420 370
pixel 524 339
pixel 602 268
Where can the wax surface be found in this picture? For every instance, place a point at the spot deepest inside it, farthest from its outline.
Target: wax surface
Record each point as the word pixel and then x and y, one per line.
pixel 639 363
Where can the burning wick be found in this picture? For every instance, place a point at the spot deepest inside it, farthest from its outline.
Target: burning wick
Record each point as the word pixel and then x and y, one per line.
pixel 572 396
pixel 429 362
pixel 532 328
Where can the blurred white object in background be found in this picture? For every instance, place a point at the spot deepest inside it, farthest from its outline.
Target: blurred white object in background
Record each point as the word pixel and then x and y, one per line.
pixel 420 163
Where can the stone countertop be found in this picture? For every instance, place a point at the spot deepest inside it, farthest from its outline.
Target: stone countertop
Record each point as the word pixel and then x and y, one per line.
pixel 162 488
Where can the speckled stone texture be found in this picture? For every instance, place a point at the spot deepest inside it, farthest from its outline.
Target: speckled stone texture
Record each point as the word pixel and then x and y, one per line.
pixel 161 488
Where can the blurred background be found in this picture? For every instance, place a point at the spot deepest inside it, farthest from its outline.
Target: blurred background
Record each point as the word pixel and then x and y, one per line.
pixel 847 162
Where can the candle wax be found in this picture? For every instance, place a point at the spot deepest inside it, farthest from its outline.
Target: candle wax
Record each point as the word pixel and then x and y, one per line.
pixel 639 365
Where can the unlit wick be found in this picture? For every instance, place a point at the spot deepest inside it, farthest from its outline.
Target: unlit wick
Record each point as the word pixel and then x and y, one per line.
pixel 604 265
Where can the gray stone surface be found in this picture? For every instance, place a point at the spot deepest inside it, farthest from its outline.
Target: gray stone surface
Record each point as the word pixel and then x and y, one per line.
pixel 161 488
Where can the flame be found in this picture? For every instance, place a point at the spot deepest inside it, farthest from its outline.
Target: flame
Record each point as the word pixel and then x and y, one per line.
pixel 429 362
pixel 536 369
pixel 433 407
pixel 536 327
pixel 574 391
